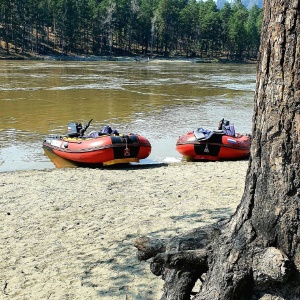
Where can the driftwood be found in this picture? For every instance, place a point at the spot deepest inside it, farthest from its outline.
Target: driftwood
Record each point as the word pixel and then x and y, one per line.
pixel 180 261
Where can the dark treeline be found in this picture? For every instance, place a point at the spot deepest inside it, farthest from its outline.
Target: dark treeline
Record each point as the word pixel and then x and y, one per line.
pixel 130 27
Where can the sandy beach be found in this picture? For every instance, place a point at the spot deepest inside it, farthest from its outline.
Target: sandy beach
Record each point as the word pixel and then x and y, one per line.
pixel 69 233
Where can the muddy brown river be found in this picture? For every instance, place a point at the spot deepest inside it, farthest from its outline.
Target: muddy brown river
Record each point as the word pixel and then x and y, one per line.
pixel 160 100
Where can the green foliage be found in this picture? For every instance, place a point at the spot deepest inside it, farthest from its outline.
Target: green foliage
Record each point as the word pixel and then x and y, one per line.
pixel 225 14
pixel 253 26
pixel 168 15
pixel 102 27
pixel 189 27
pixel 237 28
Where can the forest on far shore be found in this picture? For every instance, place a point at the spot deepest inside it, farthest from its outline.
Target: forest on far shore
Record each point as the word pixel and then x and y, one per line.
pixel 167 28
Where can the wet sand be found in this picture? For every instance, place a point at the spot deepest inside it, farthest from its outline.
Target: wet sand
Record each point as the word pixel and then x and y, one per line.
pixel 69 233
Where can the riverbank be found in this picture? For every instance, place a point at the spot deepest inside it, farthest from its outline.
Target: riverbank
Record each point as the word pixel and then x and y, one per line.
pixel 69 233
pixel 137 58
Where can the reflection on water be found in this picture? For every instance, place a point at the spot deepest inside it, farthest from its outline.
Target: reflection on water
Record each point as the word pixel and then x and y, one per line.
pixel 159 100
pixel 58 161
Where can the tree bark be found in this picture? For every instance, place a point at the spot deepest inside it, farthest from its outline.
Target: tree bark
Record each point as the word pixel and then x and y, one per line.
pixel 256 255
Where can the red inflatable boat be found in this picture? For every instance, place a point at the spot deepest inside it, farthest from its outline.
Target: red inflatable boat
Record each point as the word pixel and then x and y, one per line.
pixel 105 148
pixel 216 146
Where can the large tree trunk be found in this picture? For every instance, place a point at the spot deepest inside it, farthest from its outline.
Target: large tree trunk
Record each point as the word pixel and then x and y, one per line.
pixel 267 220
pixel 256 255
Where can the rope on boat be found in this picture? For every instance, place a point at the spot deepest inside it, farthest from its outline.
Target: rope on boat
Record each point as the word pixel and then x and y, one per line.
pixel 126 150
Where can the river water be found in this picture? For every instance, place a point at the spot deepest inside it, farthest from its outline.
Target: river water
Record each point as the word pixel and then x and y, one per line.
pixel 160 100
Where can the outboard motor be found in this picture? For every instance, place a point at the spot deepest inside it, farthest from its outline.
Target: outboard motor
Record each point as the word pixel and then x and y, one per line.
pixel 74 129
pixel 227 127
